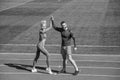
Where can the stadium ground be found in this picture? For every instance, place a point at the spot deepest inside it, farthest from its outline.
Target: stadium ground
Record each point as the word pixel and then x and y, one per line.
pixel 94 22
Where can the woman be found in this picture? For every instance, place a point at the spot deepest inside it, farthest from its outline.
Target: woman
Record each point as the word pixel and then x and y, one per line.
pixel 41 48
pixel 66 52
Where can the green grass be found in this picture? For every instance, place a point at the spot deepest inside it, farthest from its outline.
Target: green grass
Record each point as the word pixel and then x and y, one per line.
pixel 90 21
pixel 87 20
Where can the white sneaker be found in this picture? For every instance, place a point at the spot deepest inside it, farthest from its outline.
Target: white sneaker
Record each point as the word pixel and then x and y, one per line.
pixel 49 71
pixel 34 70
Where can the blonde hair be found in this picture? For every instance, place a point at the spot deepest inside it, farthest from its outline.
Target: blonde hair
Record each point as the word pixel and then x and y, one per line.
pixel 43 22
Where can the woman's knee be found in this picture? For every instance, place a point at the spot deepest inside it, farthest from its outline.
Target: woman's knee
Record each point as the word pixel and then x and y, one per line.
pixel 44 51
pixel 47 55
pixel 37 55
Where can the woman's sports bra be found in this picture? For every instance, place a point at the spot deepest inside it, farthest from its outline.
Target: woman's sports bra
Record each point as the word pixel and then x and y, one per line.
pixel 42 35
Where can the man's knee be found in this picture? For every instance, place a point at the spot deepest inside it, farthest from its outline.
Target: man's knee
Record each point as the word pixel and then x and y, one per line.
pixel 64 56
pixel 36 58
pixel 70 57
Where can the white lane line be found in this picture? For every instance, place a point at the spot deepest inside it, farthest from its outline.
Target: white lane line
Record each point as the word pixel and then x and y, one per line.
pixel 21 54
pixel 30 73
pixel 89 67
pixel 94 75
pixel 98 61
pixel 15 5
pixel 59 45
pixel 58 54
pixel 19 45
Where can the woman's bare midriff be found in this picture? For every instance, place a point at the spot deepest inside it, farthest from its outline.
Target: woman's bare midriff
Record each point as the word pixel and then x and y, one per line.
pixel 41 43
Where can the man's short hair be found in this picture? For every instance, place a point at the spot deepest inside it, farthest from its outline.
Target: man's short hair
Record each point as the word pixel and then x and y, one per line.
pixel 62 22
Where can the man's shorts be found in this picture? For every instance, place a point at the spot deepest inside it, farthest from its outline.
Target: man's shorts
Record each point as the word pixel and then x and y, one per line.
pixel 66 50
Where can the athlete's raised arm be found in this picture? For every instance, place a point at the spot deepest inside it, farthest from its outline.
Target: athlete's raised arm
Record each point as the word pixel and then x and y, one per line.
pixel 53 24
pixel 44 26
pixel 50 26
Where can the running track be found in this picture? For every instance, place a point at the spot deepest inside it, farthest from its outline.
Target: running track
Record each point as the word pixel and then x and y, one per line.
pixel 98 48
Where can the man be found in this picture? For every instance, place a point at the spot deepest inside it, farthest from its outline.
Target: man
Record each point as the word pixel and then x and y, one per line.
pixel 66 51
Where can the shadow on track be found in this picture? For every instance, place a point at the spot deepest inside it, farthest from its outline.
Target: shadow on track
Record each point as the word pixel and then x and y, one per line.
pixel 28 67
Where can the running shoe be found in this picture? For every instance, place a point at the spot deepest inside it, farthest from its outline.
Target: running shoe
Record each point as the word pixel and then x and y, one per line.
pixel 76 73
pixel 34 70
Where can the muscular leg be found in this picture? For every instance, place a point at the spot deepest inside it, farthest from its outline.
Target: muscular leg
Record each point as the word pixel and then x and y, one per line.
pixel 73 62
pixel 63 52
pixel 46 53
pixel 36 59
pixel 69 56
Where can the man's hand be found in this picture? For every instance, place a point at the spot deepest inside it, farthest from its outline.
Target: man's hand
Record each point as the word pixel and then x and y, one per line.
pixel 75 48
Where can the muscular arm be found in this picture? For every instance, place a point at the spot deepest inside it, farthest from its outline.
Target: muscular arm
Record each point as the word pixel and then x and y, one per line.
pixel 54 26
pixel 49 27
pixel 73 39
